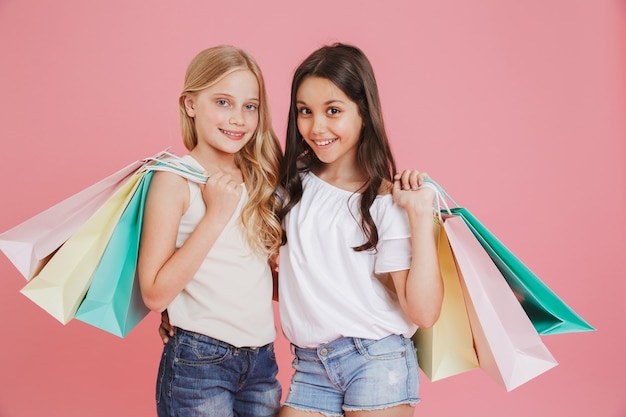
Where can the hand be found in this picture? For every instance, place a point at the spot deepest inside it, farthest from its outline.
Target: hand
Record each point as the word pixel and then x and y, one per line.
pixel 221 196
pixel 166 330
pixel 411 179
pixel 409 193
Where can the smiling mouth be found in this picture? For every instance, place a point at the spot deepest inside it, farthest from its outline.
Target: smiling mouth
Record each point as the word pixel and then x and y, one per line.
pixel 324 142
pixel 234 134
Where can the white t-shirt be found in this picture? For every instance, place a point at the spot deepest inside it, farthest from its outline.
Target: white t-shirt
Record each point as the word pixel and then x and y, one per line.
pixel 230 296
pixel 326 289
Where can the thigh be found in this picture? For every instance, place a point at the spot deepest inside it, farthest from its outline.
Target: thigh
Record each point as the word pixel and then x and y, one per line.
pixel 311 391
pixel 287 411
pixel 164 378
pixel 261 392
pixel 403 410
pixel 204 377
pixel 384 375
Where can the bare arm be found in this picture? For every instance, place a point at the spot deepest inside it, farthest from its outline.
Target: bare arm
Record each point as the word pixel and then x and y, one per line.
pixel 163 270
pixel 419 289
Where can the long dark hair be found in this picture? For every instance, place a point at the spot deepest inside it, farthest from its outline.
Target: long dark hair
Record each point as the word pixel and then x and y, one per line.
pixel 348 68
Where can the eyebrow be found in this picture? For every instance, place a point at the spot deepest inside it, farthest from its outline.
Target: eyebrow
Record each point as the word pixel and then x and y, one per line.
pixel 231 96
pixel 326 103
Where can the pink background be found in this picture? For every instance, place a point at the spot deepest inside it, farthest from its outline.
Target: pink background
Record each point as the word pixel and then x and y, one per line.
pixel 516 107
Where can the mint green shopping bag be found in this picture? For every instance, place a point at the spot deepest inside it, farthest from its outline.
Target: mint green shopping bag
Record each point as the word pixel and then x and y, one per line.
pixel 548 313
pixel 64 280
pixel 113 302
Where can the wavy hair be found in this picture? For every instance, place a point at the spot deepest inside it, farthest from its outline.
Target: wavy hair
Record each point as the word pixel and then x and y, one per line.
pixel 259 160
pixel 348 68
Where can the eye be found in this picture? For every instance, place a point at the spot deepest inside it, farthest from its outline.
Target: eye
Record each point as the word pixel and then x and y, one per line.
pixel 304 111
pixel 251 107
pixel 333 111
pixel 221 102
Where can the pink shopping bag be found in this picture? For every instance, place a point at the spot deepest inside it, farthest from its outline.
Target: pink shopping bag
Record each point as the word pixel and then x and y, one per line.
pixel 509 348
pixel 447 348
pixel 62 283
pixel 30 244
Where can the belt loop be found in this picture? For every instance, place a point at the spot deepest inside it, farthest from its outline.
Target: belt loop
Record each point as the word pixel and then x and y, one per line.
pixel 358 344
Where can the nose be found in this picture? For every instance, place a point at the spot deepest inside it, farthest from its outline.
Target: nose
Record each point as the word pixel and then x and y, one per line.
pixel 236 117
pixel 319 124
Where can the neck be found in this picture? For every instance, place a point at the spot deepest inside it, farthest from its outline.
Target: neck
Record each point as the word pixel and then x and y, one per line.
pixel 346 178
pixel 216 161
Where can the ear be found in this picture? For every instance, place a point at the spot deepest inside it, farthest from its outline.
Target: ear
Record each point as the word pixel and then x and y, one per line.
pixel 189 104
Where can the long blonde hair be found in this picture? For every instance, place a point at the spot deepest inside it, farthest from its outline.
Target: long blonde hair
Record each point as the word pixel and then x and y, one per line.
pixel 259 159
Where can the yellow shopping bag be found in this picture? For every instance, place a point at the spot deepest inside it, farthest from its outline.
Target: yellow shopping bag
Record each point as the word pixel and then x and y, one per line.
pixel 447 348
pixel 30 244
pixel 63 282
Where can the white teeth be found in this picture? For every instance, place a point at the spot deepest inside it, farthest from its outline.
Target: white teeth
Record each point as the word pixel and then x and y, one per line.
pixel 324 142
pixel 232 133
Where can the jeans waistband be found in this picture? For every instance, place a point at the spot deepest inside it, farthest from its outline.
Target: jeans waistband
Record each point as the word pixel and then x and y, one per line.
pixel 336 347
pixel 211 340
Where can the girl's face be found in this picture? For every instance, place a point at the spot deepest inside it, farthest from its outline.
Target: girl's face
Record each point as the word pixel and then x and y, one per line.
pixel 226 114
pixel 328 120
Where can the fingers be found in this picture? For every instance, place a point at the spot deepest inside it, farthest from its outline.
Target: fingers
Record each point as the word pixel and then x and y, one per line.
pixel 223 184
pixel 224 180
pixel 164 334
pixel 410 179
pixel 396 183
pixel 420 178
pixel 166 330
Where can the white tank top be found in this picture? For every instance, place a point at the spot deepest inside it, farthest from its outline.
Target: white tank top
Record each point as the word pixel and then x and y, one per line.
pixel 230 296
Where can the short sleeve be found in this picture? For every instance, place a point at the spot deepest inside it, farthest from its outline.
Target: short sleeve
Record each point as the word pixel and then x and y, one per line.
pixel 394 237
pixel 393 255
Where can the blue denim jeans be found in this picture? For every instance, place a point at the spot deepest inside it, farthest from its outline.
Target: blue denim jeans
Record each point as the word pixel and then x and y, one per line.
pixel 202 376
pixel 352 374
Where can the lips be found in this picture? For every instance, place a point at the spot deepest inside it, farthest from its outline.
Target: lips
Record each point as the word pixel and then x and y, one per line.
pixel 322 143
pixel 232 135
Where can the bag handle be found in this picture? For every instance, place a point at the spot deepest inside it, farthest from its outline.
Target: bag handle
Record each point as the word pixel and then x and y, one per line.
pixel 169 162
pixel 442 197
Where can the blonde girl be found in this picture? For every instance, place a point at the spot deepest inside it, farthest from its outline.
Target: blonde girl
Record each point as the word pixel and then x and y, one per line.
pixel 206 250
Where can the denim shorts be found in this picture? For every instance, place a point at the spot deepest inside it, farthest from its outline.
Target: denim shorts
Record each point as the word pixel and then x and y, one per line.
pixel 201 376
pixel 352 374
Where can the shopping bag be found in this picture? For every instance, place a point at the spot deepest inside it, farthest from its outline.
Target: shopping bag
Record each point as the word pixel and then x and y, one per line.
pixel 508 346
pixel 113 302
pixel 548 312
pixel 62 283
pixel 30 244
pixel 447 348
